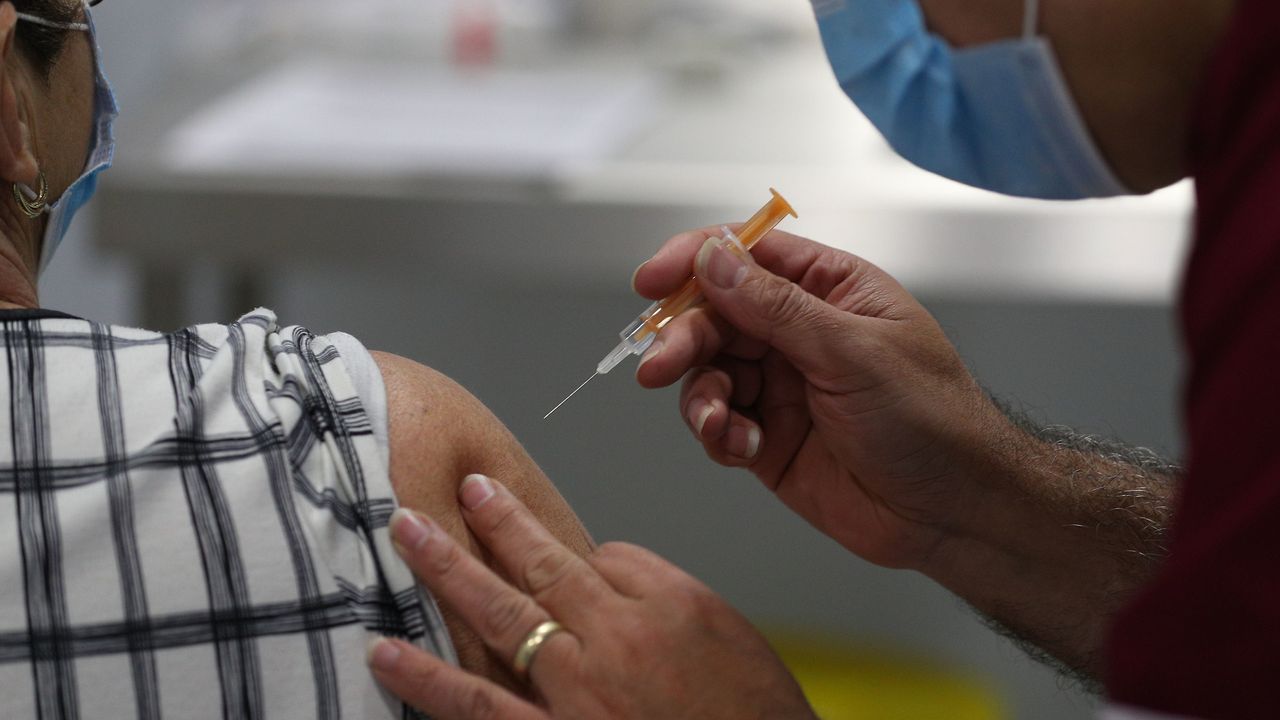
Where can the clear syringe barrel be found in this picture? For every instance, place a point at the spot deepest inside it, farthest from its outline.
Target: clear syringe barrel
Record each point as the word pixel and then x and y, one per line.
pixel 639 335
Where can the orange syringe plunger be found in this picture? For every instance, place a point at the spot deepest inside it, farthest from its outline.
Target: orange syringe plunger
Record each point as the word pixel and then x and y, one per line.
pixel 639 335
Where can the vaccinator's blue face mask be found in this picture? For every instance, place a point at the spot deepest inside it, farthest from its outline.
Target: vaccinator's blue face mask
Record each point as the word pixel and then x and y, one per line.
pixel 101 150
pixel 997 116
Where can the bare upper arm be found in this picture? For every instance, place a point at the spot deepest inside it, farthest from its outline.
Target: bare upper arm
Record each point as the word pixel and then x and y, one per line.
pixel 439 433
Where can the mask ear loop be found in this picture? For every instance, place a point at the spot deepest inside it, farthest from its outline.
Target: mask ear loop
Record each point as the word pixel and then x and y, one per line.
pixel 1030 19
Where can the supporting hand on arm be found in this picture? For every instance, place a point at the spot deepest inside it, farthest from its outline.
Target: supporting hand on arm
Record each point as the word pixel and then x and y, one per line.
pixel 641 638
pixel 824 377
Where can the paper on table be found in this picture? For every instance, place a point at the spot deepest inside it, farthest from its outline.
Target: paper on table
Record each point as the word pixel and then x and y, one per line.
pixel 372 119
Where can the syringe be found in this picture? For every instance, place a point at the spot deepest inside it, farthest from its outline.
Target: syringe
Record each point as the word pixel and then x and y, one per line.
pixel 639 335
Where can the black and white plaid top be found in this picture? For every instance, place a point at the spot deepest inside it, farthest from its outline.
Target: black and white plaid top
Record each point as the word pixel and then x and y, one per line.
pixel 193 525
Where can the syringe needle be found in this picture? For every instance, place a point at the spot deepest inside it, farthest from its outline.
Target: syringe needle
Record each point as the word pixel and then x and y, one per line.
pixel 575 392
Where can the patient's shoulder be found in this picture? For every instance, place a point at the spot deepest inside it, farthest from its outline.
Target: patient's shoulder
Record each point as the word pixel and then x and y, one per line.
pixel 438 434
pixel 435 427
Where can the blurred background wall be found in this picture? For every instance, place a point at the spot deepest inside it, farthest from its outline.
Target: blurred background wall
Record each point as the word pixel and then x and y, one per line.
pixel 1091 346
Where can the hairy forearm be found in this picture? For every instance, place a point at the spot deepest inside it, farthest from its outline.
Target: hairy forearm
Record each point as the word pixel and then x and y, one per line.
pixel 1071 526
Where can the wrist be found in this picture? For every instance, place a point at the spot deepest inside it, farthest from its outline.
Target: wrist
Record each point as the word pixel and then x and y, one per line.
pixel 1019 505
pixel 990 514
pixel 985 502
pixel 1057 537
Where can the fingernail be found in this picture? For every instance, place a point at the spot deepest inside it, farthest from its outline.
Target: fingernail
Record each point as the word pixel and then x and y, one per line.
pixel 637 272
pixel 475 491
pixel 409 530
pixel 743 442
pixel 753 442
pixel 699 411
pixel 718 264
pixel 382 654
pixel 650 354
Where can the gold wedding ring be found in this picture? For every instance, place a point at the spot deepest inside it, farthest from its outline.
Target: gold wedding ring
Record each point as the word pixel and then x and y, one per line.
pixel 532 643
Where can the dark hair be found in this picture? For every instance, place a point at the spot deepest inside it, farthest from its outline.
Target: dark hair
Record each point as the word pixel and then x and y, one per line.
pixel 41 45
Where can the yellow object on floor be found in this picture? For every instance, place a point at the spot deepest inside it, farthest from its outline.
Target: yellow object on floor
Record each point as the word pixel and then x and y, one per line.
pixel 845 683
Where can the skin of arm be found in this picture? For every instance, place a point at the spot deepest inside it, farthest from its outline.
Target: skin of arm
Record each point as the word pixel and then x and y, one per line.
pixel 439 433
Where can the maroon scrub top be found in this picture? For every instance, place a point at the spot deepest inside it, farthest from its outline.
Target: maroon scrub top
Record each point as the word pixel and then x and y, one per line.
pixel 1204 638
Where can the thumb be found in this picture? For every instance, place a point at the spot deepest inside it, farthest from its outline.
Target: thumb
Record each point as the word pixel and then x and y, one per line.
pixel 811 333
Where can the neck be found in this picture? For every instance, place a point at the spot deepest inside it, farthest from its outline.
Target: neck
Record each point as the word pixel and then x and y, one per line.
pixel 17 262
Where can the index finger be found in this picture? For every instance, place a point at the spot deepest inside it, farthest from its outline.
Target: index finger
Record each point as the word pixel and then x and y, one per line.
pixel 537 563
pixel 498 613
pixel 779 252
pixel 671 266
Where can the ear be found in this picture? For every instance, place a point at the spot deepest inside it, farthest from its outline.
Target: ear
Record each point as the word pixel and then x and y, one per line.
pixel 17 163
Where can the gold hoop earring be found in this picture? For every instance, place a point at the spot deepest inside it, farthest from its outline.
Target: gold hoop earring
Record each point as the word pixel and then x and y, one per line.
pixel 33 207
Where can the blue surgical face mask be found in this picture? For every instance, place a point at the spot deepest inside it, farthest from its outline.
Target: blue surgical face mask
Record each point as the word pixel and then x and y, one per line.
pixel 996 116
pixel 101 150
